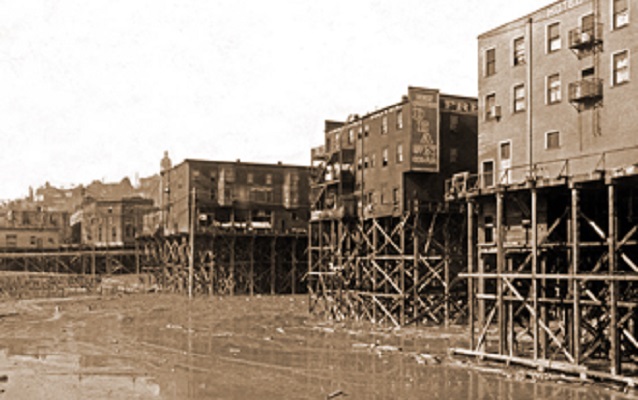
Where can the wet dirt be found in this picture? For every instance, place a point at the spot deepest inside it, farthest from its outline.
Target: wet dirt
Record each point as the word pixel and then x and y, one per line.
pixel 158 346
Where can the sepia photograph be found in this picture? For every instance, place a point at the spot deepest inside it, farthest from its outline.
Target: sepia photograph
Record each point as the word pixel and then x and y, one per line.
pixel 326 200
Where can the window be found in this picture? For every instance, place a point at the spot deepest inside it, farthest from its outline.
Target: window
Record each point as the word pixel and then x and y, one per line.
pixel 33 241
pixel 505 151
pixel 12 240
pixel 350 136
pixel 373 160
pixel 337 141
pixel 552 140
pixel 384 158
pixel 384 125
pixel 400 119
pixel 99 234
pixel 366 162
pixel 519 51
pixel 366 130
pixel 395 196
pixel 454 155
pixel 519 98
pixel 621 67
pixel 114 233
pixel 360 163
pixel 621 13
pixel 489 229
pixel 553 37
pixel 587 24
pixel 488 173
pixel 454 123
pixel 268 179
pixel 250 178
pixel 399 153
pixel 328 144
pixel 553 89
pixel 490 103
pixel 490 62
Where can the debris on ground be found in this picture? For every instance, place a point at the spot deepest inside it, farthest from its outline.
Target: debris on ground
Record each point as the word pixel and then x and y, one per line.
pixel 335 394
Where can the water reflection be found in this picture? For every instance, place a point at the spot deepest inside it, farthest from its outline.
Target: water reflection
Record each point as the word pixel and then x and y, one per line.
pixel 166 347
pixel 37 375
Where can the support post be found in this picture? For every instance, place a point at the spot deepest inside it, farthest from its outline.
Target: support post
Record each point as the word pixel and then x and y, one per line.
pixel 576 320
pixel 470 269
pixel 535 318
pixel 402 278
pixel 415 267
pixel 273 265
pixel 293 271
pixel 500 264
pixel 191 246
pixel 615 350
pixel 251 284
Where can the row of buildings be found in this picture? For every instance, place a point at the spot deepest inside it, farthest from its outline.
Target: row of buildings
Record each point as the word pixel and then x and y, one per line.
pixel 227 196
pixel 543 164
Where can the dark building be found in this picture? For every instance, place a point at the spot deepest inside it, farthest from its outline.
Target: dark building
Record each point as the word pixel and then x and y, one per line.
pixel 235 196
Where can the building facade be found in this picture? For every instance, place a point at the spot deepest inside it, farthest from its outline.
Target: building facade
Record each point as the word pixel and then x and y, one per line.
pixel 391 158
pixel 556 85
pixel 235 196
pixel 552 259
pixel 23 225
pixel 113 223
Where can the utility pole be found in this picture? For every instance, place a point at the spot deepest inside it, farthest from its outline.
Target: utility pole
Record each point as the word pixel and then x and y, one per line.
pixel 191 255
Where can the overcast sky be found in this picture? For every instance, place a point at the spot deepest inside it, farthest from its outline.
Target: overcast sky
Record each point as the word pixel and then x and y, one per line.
pixel 98 89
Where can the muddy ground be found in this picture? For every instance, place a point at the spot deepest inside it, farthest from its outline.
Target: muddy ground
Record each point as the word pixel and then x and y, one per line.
pixel 158 346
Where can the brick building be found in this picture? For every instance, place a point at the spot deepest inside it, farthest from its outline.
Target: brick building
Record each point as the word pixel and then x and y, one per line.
pixel 235 196
pixel 387 159
pixel 553 259
pixel 114 223
pixel 25 225
pixel 548 91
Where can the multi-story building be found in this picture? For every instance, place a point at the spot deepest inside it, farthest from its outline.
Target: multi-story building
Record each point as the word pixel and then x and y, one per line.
pixel 26 225
pixel 113 223
pixel 381 235
pixel 553 258
pixel 556 85
pixel 402 153
pixel 235 196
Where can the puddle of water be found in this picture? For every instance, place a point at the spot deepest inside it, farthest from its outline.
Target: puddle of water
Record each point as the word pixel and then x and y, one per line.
pixel 164 347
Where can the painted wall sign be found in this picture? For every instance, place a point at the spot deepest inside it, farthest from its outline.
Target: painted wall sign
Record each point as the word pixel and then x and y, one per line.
pixel 562 7
pixel 424 148
pixel 462 106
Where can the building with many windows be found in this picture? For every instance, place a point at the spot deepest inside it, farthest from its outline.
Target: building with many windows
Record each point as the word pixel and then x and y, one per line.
pixel 387 160
pixel 235 196
pixel 553 261
pixel 556 85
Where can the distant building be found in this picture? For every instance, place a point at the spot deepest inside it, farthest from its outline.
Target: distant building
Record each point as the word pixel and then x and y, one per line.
pixel 235 196
pixel 24 225
pixel 390 159
pixel 113 222
pixel 14 238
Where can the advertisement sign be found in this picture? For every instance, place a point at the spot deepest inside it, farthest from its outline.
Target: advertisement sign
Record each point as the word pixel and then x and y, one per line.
pixel 424 146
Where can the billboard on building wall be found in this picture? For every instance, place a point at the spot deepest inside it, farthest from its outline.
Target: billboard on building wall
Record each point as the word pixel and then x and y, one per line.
pixel 424 136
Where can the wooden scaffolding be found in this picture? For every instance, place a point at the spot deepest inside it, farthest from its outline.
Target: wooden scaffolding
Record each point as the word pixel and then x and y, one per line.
pixel 392 270
pixel 227 262
pixel 553 274
pixel 77 260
